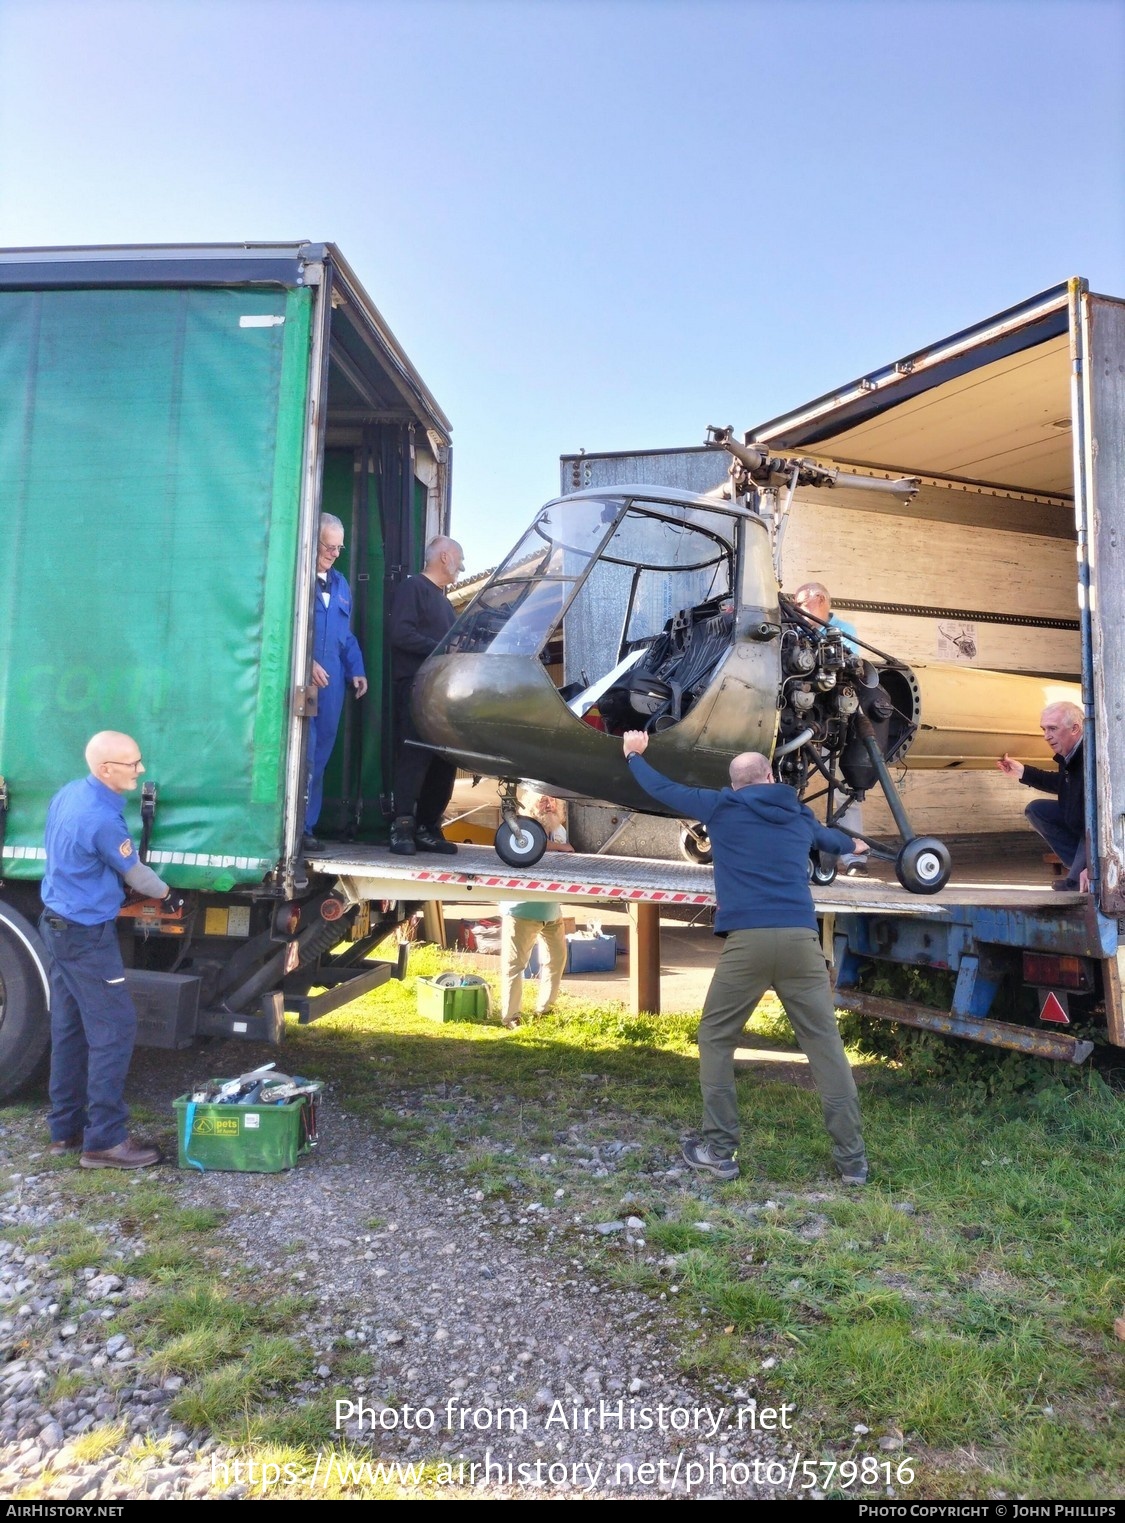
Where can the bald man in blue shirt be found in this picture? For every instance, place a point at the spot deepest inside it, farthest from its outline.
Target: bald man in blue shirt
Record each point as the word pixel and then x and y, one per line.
pixel 91 859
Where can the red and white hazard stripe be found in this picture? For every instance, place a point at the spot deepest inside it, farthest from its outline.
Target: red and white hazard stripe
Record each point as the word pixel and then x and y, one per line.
pixel 526 885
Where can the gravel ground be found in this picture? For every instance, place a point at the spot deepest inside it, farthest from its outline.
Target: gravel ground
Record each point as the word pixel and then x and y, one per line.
pixel 488 1339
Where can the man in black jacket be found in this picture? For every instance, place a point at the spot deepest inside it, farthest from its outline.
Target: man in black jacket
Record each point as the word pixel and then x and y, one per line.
pixel 421 619
pixel 761 835
pixel 1062 822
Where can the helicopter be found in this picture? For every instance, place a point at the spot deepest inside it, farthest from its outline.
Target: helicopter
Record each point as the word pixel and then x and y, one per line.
pixel 636 607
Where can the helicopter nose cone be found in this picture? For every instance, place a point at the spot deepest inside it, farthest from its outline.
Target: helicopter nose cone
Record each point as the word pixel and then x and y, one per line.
pixel 478 703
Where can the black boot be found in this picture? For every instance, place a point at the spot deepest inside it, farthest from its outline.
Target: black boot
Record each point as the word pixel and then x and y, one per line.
pixel 430 838
pixel 402 836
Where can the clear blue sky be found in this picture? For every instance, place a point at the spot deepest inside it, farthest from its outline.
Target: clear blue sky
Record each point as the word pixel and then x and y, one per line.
pixel 594 224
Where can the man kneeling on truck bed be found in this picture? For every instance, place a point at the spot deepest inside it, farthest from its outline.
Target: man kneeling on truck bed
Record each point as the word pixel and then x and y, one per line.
pixel 761 836
pixel 1062 824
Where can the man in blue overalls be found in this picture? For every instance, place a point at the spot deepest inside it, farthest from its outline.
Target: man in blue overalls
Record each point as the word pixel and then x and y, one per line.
pixel 337 660
pixel 93 1020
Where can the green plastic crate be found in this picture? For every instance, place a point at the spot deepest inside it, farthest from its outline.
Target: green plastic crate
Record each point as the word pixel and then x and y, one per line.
pixel 468 1001
pixel 247 1139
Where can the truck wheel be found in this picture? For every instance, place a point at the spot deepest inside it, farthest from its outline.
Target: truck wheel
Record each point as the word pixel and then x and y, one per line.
pixel 522 842
pixel 695 845
pixel 923 865
pixel 25 1026
pixel 822 868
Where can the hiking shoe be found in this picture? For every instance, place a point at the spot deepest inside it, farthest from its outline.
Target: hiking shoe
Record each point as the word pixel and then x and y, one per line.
pixel 430 838
pixel 402 836
pixel 702 1157
pixel 855 1178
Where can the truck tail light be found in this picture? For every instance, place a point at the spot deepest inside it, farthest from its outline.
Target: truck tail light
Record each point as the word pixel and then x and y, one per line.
pixel 1057 972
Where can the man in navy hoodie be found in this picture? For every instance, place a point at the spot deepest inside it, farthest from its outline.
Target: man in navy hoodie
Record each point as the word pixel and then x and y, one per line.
pixel 761 835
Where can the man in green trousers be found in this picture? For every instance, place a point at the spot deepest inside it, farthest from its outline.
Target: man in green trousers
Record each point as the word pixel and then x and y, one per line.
pixel 761 835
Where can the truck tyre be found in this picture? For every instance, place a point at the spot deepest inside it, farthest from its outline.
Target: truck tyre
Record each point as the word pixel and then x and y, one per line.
pixel 923 865
pixel 521 843
pixel 25 1024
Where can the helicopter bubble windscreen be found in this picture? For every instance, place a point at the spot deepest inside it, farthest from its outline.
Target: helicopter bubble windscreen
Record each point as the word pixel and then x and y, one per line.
pixel 660 560
pixel 525 598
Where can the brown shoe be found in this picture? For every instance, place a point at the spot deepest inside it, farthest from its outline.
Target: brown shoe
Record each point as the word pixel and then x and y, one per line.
pixel 67 1145
pixel 126 1155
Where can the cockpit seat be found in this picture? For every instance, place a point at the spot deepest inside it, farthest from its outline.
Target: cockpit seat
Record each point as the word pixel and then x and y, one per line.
pixel 673 672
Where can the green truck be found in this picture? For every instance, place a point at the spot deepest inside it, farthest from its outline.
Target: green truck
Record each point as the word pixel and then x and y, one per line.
pixel 173 421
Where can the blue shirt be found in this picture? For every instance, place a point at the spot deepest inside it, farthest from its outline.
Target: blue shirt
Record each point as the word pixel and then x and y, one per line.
pixel 761 837
pixel 848 632
pixel 89 851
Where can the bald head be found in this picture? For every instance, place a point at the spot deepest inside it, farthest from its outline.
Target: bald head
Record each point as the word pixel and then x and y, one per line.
pixel 445 560
pixel 114 758
pixel 750 768
pixel 812 597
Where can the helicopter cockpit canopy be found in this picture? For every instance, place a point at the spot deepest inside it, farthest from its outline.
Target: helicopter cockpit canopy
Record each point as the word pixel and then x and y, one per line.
pixel 604 590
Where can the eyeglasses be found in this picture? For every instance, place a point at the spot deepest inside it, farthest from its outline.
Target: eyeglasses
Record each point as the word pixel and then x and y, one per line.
pixel 135 765
pixel 331 549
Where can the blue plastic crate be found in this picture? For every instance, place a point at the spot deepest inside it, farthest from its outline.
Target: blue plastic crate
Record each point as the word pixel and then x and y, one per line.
pixel 584 954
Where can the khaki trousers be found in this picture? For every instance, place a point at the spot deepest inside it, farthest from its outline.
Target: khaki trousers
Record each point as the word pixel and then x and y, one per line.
pixel 515 948
pixel 791 962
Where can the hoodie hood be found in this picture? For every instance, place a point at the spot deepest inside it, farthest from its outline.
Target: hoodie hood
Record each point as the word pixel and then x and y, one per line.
pixel 772 803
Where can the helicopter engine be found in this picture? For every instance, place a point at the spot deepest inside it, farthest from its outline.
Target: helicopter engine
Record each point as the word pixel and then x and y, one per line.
pixel 829 694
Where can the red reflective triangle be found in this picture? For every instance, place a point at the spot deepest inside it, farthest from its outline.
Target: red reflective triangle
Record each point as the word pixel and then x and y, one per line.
pixel 1053 1011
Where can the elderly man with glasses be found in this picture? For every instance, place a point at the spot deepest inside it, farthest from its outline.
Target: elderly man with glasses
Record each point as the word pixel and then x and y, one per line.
pixel 90 854
pixel 1060 821
pixel 337 661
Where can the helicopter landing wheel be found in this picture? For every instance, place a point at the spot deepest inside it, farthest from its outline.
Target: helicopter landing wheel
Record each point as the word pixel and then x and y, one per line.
pixel 521 841
pixel 923 865
pixel 695 845
pixel 822 868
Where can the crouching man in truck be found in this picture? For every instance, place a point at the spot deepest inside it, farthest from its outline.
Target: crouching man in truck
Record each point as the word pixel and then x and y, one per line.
pixel 1061 822
pixel 93 1020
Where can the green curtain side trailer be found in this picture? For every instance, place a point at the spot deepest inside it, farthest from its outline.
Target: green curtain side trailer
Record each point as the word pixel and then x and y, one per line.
pixel 172 422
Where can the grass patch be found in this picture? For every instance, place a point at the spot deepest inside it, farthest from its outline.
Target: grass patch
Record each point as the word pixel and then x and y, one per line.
pixel 97 1442
pixel 221 1400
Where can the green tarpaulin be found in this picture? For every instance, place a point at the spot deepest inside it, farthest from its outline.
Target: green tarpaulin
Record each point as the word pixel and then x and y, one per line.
pixel 150 458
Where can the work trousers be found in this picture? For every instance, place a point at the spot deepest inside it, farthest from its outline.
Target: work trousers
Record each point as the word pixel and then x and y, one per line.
pixel 1045 817
pixel 93 1028
pixel 423 782
pixel 322 739
pixel 791 962
pixel 519 936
